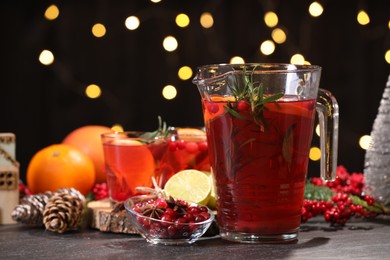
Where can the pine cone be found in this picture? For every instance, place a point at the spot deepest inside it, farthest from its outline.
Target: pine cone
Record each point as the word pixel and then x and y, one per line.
pixel 63 212
pixel 73 192
pixel 30 209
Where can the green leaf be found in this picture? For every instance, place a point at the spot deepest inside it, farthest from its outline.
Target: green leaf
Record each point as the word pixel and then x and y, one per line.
pixel 272 98
pixel 314 192
pixel 376 207
pixel 260 94
pixel 162 131
pixel 234 113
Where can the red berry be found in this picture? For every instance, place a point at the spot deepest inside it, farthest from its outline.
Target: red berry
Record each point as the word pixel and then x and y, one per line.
pixel 203 146
pixel 189 217
pixel 317 181
pixel 166 218
pixel 243 106
pixel 171 231
pixel 369 199
pixel 193 210
pixel 212 108
pixel 146 223
pixel 172 146
pixel 170 212
pixel 203 209
pixel 181 144
pixel 100 191
pixel 191 147
pixel 199 218
pixel 192 227
pixel 179 223
pixel 161 203
pixel 206 215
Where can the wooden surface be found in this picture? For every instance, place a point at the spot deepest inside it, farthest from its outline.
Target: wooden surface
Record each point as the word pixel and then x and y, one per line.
pixel 357 240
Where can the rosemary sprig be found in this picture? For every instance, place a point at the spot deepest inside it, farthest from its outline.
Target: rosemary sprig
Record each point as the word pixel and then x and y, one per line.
pixel 162 131
pixel 253 94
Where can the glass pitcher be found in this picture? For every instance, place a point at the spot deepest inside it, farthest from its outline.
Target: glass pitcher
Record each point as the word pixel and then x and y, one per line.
pixel 259 121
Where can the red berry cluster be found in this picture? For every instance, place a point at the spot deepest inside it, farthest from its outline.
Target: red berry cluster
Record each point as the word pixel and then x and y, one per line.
pixel 170 218
pixel 340 208
pixel 23 190
pixel 345 182
pixel 338 211
pixel 190 147
pixel 100 191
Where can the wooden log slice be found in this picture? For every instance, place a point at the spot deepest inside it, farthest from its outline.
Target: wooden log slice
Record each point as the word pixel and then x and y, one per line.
pixel 105 217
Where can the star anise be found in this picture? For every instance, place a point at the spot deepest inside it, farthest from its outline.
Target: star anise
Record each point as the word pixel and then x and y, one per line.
pixel 152 211
pixel 176 205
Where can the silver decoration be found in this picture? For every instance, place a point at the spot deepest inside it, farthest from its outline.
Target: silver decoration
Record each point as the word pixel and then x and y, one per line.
pixel 377 158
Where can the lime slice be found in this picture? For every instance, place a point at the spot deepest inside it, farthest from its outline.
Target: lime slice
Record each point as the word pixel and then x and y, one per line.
pixel 189 185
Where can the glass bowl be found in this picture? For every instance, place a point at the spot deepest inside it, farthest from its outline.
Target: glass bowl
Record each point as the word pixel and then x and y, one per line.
pixel 185 228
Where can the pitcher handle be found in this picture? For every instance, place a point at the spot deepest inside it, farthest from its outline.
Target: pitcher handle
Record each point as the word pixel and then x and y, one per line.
pixel 328 115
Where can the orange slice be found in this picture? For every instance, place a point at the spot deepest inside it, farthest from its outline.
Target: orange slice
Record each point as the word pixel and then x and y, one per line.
pixel 191 134
pixel 291 108
pixel 127 142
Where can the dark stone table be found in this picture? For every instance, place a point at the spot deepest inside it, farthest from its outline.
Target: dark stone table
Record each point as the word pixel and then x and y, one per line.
pixel 359 239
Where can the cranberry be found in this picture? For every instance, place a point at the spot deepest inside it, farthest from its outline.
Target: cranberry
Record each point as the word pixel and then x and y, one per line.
pixel 181 145
pixel 203 209
pixel 146 223
pixel 191 147
pixel 192 227
pixel 243 106
pixel 180 223
pixel 170 212
pixel 155 228
pixel 140 220
pixel 206 215
pixel 161 203
pixel 189 217
pixel 199 218
pixel 203 146
pixel 212 108
pixel 171 231
pixel 193 210
pixel 172 146
pixel 166 218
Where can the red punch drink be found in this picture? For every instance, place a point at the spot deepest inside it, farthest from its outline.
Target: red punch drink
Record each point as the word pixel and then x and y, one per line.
pixel 260 169
pixel 131 161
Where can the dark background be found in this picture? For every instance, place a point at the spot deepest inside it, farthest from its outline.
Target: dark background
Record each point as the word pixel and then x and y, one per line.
pixel 41 104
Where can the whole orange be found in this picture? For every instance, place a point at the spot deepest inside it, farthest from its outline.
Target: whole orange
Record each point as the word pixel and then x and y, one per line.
pixel 60 166
pixel 87 139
